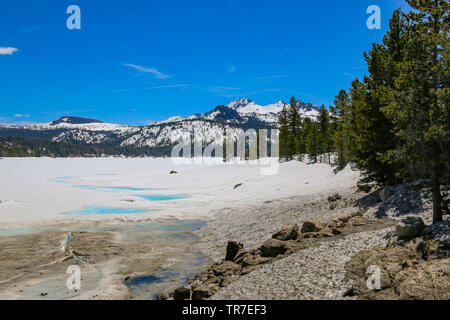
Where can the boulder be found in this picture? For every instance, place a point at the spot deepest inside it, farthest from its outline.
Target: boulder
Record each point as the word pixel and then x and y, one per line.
pixel 326 233
pixel 173 172
pixel 357 221
pixel 410 227
pixel 227 281
pixel 274 247
pixel 182 293
pixel 211 280
pixel 225 268
pixel 241 255
pixel 439 231
pixel 164 296
pixel 386 193
pixel 428 282
pixel 287 233
pixel 311 226
pixel 202 292
pixel 410 269
pixel 335 197
pixel 335 231
pixel 341 218
pixel 309 235
pixel 233 248
pixel 253 260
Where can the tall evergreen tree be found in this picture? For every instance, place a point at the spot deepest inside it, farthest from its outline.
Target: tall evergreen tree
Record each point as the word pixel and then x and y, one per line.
pixel 324 131
pixel 342 132
pixel 419 100
pixel 312 139
pixel 284 135
pixel 295 126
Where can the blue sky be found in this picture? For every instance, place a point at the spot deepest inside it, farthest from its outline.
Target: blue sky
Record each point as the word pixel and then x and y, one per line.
pixel 137 61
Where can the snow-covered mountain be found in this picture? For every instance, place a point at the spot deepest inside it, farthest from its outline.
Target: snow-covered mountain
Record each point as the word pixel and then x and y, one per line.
pixel 239 114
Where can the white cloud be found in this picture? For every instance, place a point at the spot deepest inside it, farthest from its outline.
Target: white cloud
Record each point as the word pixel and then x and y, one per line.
pixel 277 76
pixel 231 69
pixel 19 115
pixel 168 86
pixel 7 50
pixel 158 75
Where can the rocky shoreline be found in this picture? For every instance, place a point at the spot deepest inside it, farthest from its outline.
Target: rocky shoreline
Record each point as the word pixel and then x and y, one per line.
pixel 329 260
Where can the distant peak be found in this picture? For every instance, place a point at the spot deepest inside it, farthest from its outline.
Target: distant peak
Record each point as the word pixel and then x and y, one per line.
pixel 238 103
pixel 74 120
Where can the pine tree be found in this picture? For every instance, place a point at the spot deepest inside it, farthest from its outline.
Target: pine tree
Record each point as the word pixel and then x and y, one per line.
pixel 284 135
pixel 341 134
pixel 419 100
pixel 312 139
pixel 324 131
pixel 373 130
pixel 295 126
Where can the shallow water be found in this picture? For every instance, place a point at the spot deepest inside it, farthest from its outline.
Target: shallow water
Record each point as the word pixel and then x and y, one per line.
pixel 174 261
pixel 149 287
pixel 96 210
pixel 111 189
pixel 15 232
pixel 156 197
pixel 148 231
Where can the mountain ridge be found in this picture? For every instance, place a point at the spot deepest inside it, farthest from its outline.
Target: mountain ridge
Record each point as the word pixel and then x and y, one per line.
pixel 162 135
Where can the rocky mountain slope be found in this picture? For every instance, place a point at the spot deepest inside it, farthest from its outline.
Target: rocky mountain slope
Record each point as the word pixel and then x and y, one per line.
pixel 239 114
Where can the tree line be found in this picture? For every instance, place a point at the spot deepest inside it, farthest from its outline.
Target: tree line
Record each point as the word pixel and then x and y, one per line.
pixel 21 147
pixel 394 123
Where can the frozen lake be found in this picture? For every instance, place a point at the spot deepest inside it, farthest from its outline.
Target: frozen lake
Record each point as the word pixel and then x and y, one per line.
pixel 41 191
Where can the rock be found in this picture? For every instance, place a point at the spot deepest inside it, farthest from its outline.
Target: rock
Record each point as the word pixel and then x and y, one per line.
pixel 164 296
pixel 253 260
pixel 332 206
pixel 347 292
pixel 386 193
pixel 326 233
pixel 429 282
pixel 365 187
pixel 274 247
pixel 398 201
pixel 309 235
pixel 357 221
pixel 340 224
pixel 335 231
pixel 341 218
pixel 227 281
pixel 287 233
pixel 237 186
pixel 439 231
pixel 335 197
pixel 225 268
pixel 201 292
pixel 173 172
pixel 233 248
pixel 410 227
pixel 240 256
pixel 409 269
pixel 182 293
pixel 311 226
